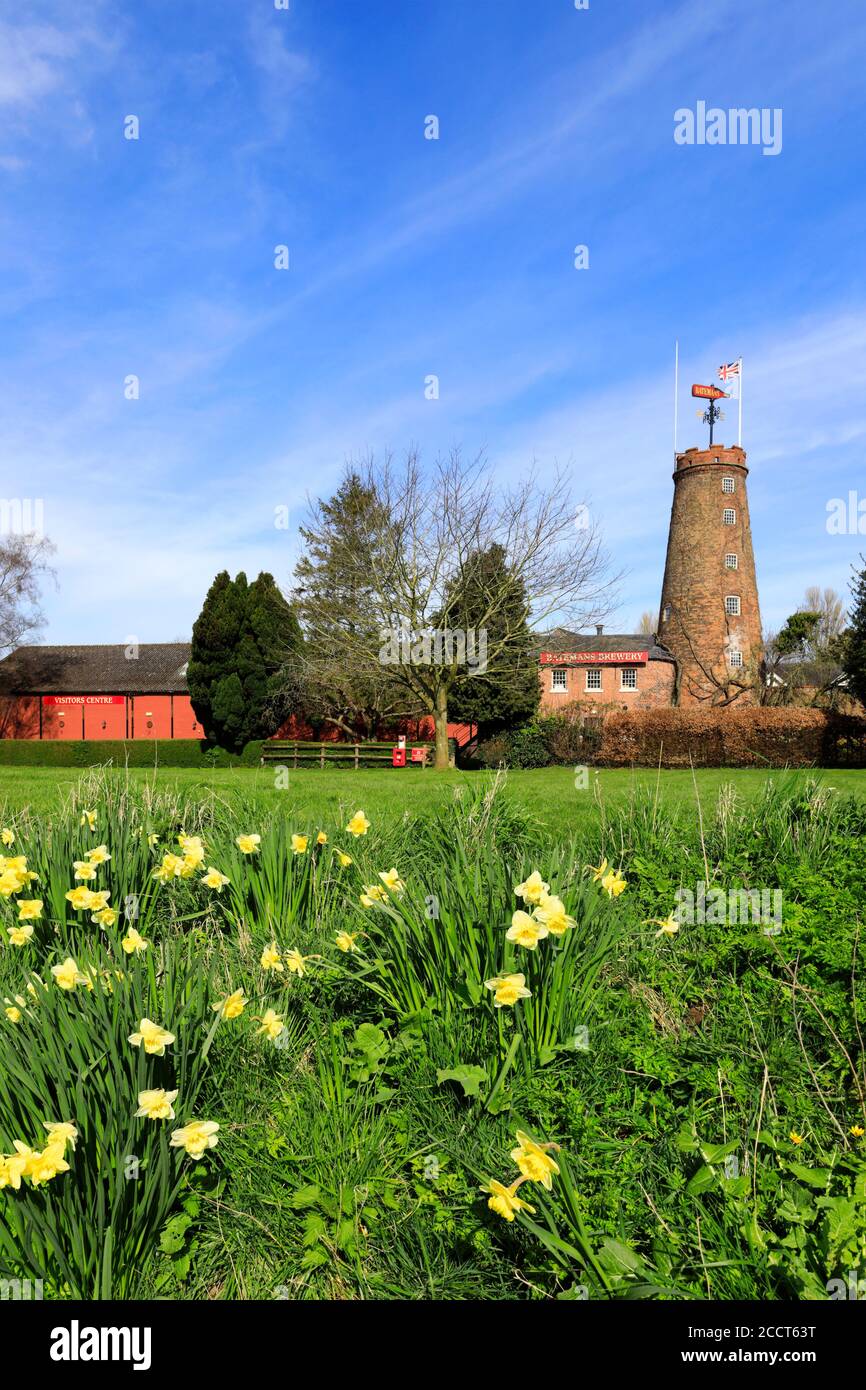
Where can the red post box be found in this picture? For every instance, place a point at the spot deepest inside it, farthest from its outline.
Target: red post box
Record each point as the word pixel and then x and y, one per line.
pixel 398 757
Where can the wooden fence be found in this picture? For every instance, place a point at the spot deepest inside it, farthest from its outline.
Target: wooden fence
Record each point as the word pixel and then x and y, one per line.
pixel 298 753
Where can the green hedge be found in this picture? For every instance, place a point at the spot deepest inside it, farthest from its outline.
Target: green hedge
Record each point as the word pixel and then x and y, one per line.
pixel 140 752
pixel 549 739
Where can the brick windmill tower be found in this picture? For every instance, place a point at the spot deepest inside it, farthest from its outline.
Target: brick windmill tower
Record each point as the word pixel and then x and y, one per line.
pixel 709 616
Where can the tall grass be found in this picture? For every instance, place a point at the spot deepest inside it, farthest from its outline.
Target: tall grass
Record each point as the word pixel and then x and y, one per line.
pixel 352 1142
pixel 69 1059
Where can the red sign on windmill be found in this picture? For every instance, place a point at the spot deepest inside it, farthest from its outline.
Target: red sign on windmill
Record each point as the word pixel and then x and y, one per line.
pixel 710 393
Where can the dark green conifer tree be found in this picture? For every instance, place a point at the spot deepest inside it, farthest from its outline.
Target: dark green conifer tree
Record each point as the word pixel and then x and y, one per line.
pixel 243 636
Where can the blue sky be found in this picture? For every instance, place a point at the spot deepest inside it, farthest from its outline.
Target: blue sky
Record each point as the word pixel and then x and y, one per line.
pixel 410 257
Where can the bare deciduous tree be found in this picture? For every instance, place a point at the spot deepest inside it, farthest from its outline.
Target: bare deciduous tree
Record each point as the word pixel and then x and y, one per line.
pixel 23 566
pixel 425 531
pixel 830 608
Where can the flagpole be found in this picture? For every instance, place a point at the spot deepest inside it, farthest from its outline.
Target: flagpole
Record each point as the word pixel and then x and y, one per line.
pixel 740 402
pixel 676 391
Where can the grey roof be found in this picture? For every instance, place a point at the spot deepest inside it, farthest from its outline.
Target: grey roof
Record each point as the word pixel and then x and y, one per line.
pixel 158 668
pixel 560 639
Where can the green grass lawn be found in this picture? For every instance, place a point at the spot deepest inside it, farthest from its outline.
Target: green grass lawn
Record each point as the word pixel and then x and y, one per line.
pixel 704 1086
pixel 548 793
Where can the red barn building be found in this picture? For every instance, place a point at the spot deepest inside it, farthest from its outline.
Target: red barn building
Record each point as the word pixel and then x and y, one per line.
pixel 101 692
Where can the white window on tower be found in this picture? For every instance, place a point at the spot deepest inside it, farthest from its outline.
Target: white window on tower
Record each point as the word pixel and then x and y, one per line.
pixel 593 678
pixel 727 485
pixel 732 605
pixel 730 562
pixel 736 660
pixel 628 678
pixel 729 516
pixel 666 613
pixel 559 680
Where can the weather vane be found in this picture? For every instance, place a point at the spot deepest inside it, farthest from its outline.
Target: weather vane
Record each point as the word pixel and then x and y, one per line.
pixel 712 412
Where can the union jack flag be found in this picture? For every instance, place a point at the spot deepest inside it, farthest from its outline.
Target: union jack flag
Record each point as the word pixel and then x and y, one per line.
pixel 729 370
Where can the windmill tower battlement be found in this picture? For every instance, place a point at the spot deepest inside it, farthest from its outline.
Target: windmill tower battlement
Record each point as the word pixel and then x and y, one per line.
pixel 709 616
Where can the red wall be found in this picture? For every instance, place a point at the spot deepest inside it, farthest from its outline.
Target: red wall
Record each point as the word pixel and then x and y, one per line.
pixel 185 723
pixel 150 716
pixel 19 716
pixel 155 716
pixel 135 716
pixel 102 721
pixel 62 721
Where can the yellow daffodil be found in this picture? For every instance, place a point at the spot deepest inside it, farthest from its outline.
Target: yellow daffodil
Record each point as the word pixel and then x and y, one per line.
pixel 299 844
pixel 232 1006
pixel 321 838
pixel 10 883
pixel 19 935
pixel 67 975
pixel 61 1132
pixel 98 855
pixel 105 917
pixel 152 840
pixel 614 884
pixel 193 850
pixel 392 881
pixel 248 844
pixel 14 1016
pixel 8 837
pixel 597 873
pixel 667 926
pixel 533 889
pixel 29 909
pixel 534 1162
pixel 155 1105
pixel 196 1137
pixel 133 943
pixel 81 898
pixel 15 876
pixel 271 959
pixel 507 990
pixel 795 1138
pixel 25 1155
pixel 99 901
pixel 214 879
pixel 297 963
pixel 551 911
pixel 373 894
pixel 12 1169
pixel 272 1025
pixel 358 825
pixel 344 859
pixel 88 818
pixel 171 867
pixel 18 865
pixel 155 1039
pixel 346 940
pixel 524 931
pixel 504 1201
pixel 42 1167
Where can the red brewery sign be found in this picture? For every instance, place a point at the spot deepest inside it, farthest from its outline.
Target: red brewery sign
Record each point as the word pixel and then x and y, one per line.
pixel 593 658
pixel 84 699
pixel 709 393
